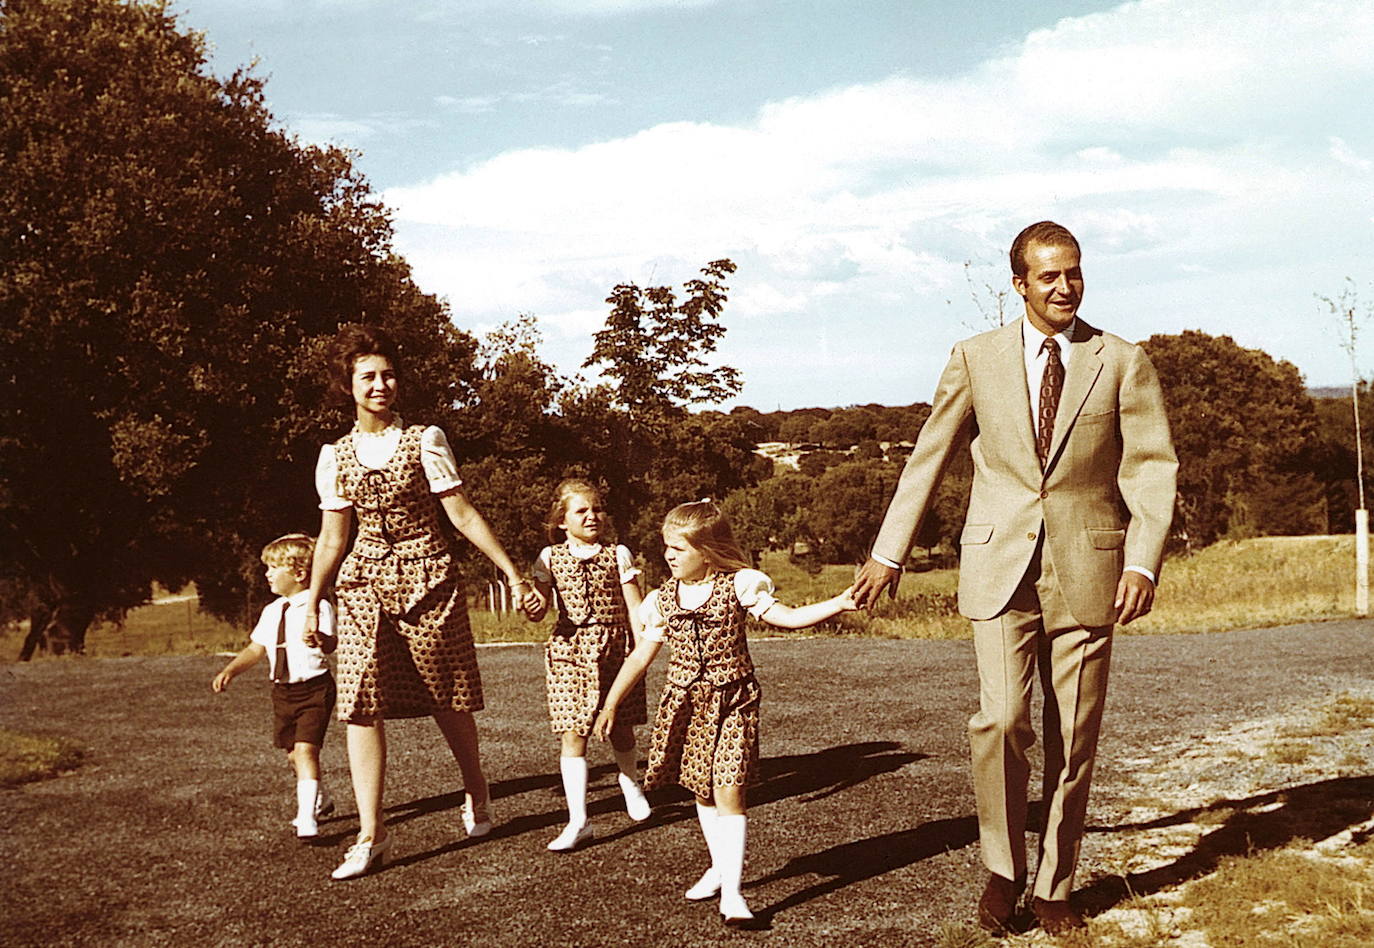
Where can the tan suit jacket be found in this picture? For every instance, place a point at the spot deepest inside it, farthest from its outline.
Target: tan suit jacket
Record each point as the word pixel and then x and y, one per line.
pixel 1104 501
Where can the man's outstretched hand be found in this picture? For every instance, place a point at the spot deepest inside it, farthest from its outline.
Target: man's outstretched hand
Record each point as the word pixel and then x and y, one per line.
pixel 870 581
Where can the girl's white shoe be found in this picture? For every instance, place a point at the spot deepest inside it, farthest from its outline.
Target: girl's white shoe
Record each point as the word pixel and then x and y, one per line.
pixel 636 804
pixel 572 837
pixel 733 909
pixel 706 887
pixel 362 856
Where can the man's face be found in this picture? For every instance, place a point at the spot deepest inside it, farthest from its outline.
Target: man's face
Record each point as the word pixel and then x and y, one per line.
pixel 1052 286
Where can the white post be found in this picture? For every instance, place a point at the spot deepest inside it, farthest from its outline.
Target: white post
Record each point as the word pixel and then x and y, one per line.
pixel 1362 562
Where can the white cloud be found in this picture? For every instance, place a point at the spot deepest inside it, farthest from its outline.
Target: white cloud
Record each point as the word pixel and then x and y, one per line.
pixel 1343 153
pixel 1162 128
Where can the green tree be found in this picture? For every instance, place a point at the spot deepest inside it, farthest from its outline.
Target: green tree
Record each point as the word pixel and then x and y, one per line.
pixel 1245 431
pixel 653 344
pixel 847 507
pixel 171 266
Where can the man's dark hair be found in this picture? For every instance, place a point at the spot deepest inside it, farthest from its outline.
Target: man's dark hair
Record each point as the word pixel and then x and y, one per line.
pixel 1042 232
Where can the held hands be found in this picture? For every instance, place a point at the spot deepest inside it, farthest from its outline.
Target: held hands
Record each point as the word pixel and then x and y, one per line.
pixel 1135 596
pixel 311 636
pixel 870 581
pixel 845 601
pixel 531 603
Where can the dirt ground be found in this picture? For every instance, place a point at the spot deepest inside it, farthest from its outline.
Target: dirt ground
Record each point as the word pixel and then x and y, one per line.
pixel 174 829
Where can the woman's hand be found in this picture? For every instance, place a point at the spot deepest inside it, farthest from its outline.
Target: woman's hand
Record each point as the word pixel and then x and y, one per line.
pixel 311 635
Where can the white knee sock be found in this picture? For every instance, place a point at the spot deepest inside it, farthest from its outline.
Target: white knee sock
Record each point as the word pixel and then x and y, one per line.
pixel 574 771
pixel 709 883
pixel 730 853
pixel 636 804
pixel 306 791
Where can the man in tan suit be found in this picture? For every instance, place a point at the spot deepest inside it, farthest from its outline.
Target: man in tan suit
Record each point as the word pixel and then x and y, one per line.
pixel 1073 492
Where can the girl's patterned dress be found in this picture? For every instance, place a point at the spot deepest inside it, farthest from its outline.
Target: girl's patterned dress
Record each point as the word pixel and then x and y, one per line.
pixel 405 646
pixel 706 731
pixel 590 640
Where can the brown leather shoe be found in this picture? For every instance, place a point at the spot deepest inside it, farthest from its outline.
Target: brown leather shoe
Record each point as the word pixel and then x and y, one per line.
pixel 1056 918
pixel 998 904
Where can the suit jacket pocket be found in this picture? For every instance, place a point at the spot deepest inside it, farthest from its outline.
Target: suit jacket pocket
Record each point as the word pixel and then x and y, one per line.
pixel 1106 538
pixel 976 533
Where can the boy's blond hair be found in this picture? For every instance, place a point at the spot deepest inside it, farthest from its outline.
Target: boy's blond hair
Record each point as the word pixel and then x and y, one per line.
pixel 295 550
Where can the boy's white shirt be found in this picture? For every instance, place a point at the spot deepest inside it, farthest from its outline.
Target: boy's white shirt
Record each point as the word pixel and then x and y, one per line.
pixel 304 661
pixel 753 589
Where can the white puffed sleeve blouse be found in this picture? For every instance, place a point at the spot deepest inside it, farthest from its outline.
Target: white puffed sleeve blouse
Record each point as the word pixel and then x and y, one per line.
pixel 375 450
pixel 753 589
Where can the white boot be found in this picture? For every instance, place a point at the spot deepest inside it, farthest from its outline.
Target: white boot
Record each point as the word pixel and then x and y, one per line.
pixel 306 792
pixel 709 883
pixel 577 831
pixel 730 835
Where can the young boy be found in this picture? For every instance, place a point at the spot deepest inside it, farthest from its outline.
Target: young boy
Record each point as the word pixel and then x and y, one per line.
pixel 303 688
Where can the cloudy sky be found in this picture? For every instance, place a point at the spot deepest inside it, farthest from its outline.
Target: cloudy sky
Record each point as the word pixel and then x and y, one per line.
pixel 864 162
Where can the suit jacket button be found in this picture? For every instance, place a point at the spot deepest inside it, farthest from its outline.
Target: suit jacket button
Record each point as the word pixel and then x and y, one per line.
pixel 1030 536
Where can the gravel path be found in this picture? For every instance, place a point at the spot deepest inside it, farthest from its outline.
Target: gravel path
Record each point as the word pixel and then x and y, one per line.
pixel 175 828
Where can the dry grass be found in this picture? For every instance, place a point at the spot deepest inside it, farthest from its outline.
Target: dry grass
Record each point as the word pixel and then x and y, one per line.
pixel 24 757
pixel 1230 585
pixel 1252 583
pixel 1287 898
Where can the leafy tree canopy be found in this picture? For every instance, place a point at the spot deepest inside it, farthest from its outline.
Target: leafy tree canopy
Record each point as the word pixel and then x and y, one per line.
pixel 171 265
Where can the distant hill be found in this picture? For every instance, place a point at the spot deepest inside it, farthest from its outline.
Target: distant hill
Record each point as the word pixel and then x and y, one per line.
pixel 1329 391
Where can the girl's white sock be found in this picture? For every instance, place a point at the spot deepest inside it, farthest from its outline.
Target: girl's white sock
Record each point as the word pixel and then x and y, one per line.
pixel 709 883
pixel 636 804
pixel 731 830
pixel 574 770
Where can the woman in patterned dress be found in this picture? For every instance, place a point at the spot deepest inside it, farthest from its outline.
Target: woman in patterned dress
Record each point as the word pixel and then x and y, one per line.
pixel 597 598
pixel 405 647
pixel 706 731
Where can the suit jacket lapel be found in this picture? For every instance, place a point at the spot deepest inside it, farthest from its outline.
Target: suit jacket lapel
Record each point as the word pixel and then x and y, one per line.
pixel 1011 376
pixel 1085 365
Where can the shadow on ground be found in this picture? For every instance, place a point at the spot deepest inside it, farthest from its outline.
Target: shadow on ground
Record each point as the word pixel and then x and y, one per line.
pixel 1265 821
pixel 810 777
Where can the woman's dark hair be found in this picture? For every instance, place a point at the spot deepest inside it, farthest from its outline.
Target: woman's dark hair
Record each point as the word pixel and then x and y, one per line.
pixel 353 341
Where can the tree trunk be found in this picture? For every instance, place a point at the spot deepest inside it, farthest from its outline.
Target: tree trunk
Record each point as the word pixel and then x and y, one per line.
pixel 58 629
pixel 38 624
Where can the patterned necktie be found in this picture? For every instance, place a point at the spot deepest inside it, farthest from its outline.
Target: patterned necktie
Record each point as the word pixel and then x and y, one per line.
pixel 281 671
pixel 1051 384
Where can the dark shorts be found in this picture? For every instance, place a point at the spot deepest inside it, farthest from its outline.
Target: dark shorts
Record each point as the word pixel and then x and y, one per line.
pixel 301 711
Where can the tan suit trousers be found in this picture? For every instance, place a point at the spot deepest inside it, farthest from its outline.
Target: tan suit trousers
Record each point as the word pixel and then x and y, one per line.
pixel 1036 632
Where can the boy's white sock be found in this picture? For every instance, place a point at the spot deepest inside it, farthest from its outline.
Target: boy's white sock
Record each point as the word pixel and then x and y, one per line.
pixel 306 792
pixel 731 830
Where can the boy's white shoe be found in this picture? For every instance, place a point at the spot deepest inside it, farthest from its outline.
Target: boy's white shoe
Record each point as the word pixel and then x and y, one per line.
pixel 324 803
pixel 636 804
pixel 306 828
